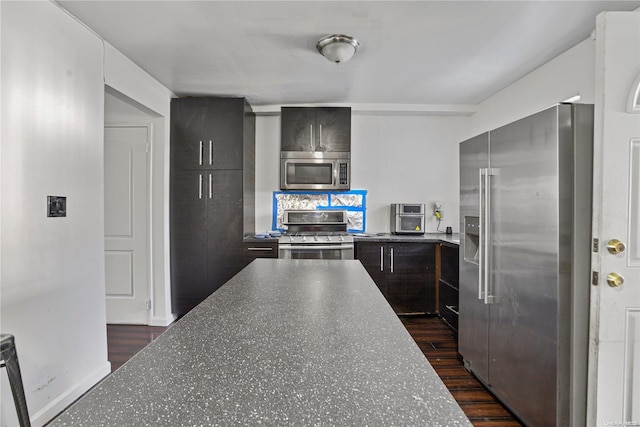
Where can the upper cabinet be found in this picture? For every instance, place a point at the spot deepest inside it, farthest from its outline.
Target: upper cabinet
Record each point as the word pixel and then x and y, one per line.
pixel 206 131
pixel 310 129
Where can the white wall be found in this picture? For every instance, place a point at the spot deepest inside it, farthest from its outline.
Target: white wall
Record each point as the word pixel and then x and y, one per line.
pixel 396 158
pixel 569 74
pixel 54 72
pixel 52 277
pixel 140 88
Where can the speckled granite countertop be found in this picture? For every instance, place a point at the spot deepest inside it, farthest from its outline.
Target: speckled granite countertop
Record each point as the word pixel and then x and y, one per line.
pixel 386 237
pixel 426 237
pixel 284 342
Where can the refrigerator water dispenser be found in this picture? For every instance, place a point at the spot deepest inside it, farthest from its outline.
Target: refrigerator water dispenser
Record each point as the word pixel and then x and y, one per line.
pixel 471 239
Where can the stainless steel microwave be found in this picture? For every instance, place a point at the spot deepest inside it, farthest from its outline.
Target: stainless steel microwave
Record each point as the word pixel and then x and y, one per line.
pixel 407 218
pixel 315 170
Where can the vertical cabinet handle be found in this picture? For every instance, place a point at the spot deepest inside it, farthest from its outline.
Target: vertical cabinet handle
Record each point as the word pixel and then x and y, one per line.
pixel 311 137
pixel 210 152
pixel 210 186
pixel 200 154
pixel 381 258
pixel 392 260
pixel 200 187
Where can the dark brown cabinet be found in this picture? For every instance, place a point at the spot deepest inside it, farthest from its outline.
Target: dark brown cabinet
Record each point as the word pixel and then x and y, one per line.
pixel 212 194
pixel 253 250
pixel 448 284
pixel 404 273
pixel 316 129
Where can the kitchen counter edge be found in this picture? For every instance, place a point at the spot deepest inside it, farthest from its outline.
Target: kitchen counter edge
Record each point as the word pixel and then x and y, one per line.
pixel 453 239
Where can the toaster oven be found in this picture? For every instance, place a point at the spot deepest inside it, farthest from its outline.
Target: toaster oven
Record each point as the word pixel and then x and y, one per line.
pixel 407 218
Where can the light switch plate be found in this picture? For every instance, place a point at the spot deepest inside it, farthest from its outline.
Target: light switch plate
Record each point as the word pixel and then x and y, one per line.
pixel 56 206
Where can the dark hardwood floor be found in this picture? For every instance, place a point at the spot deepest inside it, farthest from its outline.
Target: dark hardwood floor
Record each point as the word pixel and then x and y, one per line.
pixel 123 341
pixel 439 344
pixel 436 340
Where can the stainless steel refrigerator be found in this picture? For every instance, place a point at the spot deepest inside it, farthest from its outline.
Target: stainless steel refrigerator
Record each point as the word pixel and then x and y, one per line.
pixel 525 213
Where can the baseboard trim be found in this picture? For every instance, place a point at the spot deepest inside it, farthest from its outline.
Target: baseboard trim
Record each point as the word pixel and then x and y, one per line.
pixel 60 403
pixel 162 321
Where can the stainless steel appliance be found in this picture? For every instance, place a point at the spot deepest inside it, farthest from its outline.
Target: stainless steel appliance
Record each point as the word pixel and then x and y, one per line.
pixel 525 212
pixel 300 170
pixel 315 234
pixel 407 218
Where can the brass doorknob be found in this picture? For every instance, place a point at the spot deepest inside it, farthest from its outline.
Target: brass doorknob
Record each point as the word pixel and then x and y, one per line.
pixel 615 246
pixel 614 280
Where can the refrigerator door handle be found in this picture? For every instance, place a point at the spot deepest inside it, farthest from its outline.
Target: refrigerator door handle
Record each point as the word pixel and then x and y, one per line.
pixel 482 175
pixel 489 298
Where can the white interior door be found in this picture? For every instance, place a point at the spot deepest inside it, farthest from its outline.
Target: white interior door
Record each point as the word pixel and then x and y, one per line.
pixel 614 380
pixel 126 224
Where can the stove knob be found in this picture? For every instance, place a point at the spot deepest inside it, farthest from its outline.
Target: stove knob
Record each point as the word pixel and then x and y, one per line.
pixel 328 238
pixel 291 238
pixel 315 237
pixel 341 238
pixel 304 238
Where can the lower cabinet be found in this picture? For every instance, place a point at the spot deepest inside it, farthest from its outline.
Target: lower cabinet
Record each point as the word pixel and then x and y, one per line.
pixel 404 273
pixel 448 284
pixel 206 234
pixel 253 250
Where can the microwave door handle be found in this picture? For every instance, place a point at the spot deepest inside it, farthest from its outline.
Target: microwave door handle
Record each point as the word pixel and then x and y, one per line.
pixel 311 137
pixel 320 137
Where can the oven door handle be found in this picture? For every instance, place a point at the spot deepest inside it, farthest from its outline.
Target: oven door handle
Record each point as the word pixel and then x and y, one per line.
pixel 320 247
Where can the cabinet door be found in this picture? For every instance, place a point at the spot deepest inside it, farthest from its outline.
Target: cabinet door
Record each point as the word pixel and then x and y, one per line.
pixel 223 227
pixel 334 129
pixel 371 256
pixel 298 128
pixel 411 277
pixel 207 133
pixel 449 264
pixel 188 245
pixel 253 250
pixel 448 304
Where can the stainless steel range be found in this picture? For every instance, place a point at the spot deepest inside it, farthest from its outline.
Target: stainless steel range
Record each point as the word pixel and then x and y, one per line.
pixel 315 234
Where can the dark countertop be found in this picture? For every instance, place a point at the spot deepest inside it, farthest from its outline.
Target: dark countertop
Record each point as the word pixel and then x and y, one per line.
pixel 426 237
pixel 284 342
pixel 384 237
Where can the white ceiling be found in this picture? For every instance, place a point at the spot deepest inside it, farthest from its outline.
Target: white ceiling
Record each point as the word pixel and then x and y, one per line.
pixel 443 53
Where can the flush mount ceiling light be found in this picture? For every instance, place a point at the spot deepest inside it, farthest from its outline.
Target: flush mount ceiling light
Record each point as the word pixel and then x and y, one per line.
pixel 337 47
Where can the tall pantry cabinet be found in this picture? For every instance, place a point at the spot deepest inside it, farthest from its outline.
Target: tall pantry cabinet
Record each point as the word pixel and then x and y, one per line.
pixel 212 194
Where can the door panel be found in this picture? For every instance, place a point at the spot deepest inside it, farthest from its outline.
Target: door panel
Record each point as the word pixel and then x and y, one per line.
pixel 614 356
pixel 334 129
pixel 224 227
pixel 523 219
pixel 188 247
pixel 206 133
pixel 371 256
pixel 411 278
pixel 298 129
pixel 126 224
pixel 473 332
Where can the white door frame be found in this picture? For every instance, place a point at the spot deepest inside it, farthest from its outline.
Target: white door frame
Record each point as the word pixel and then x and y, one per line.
pixel 148 217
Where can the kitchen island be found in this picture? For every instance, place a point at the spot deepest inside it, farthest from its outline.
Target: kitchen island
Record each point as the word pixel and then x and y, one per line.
pixel 284 342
